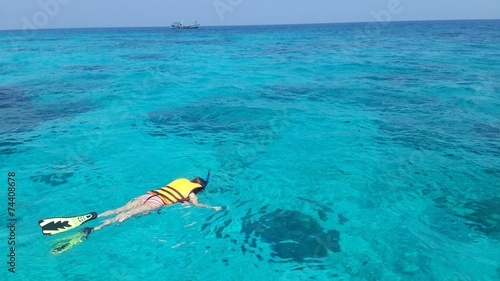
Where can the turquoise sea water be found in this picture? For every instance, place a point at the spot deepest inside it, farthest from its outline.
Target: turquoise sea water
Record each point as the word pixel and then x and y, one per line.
pixel 339 152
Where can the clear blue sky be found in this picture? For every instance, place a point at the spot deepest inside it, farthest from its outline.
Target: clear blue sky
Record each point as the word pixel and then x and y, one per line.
pixel 19 14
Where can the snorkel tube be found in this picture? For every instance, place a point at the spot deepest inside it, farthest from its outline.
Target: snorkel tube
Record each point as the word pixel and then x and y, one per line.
pixel 207 179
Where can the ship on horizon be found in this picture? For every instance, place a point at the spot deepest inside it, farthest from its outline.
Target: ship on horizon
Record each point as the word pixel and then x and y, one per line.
pixel 180 25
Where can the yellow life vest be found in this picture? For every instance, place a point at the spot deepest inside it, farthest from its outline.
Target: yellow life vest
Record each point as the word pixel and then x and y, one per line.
pixel 176 191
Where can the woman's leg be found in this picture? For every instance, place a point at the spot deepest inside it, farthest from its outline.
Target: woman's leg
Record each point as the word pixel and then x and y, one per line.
pixel 130 205
pixel 141 209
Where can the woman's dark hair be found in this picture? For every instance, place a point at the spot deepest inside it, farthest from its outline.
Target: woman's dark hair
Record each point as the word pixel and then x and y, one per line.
pixel 201 182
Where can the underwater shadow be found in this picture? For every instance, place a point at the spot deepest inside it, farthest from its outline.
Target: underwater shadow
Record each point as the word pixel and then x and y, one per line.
pixel 290 235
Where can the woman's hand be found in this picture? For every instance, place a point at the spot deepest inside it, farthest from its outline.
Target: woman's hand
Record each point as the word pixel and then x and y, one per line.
pixel 194 200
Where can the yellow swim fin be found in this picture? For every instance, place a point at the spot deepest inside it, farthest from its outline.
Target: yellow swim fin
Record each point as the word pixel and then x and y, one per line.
pixel 71 241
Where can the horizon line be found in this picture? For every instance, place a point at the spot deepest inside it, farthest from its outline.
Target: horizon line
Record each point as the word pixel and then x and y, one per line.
pixel 270 24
